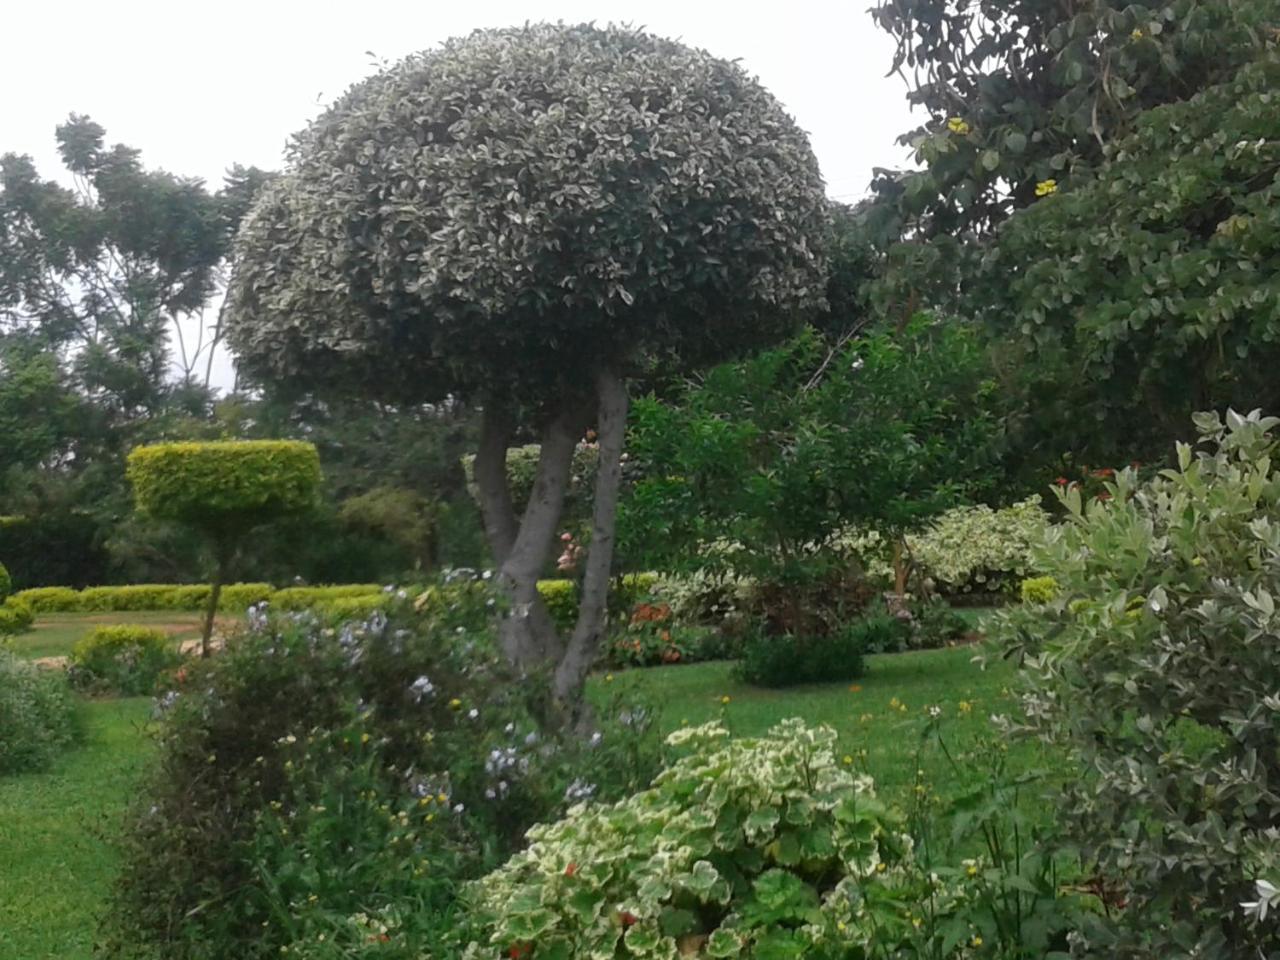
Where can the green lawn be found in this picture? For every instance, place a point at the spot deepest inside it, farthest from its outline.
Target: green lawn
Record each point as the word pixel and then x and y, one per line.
pixel 868 713
pixel 57 861
pixel 54 634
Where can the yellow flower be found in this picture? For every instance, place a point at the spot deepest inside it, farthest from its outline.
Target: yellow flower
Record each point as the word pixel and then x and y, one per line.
pixel 916 921
pixel 965 706
pixel 977 940
pixel 442 798
pixel 847 760
pixel 364 738
pixel 1137 34
pixel 958 126
pixel 608 678
pixel 880 867
pixel 841 926
pixel 972 870
pixel 455 704
pixel 1046 187
pixel 725 699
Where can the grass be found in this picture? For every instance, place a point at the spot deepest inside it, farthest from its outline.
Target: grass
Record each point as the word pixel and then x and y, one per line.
pixel 54 634
pixel 884 713
pixel 57 860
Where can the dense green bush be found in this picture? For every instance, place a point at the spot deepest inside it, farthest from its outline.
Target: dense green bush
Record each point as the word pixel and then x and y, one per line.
pixel 242 482
pixel 6 584
pixel 124 659
pixel 50 599
pixel 784 660
pixel 37 715
pixel 302 598
pixel 754 847
pixel 1039 590
pixel 15 616
pixel 1155 668
pixel 321 785
pixel 979 550
pixel 341 609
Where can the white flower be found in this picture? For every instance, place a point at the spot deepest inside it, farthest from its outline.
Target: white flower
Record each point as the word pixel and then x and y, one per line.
pixel 1268 899
pixel 421 688
pixel 473 713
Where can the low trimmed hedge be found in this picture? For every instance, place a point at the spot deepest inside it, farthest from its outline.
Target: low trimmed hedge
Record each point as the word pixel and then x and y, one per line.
pixel 178 596
pixel 561 597
pixel 15 616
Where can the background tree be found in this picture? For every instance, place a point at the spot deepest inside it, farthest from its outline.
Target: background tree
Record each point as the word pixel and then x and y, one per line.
pixel 223 491
pixel 765 467
pixel 518 219
pixel 102 283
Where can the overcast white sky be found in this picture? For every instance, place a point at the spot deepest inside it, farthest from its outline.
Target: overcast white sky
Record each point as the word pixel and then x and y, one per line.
pixel 198 87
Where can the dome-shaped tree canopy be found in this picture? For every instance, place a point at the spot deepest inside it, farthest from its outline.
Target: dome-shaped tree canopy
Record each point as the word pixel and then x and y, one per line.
pixel 523 204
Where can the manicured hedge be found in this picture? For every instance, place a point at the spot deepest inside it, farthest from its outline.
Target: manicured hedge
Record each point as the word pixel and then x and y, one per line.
pixel 212 485
pixel 561 597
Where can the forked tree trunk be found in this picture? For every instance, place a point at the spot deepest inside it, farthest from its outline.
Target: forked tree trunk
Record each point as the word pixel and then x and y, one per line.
pixel 584 644
pixel 527 635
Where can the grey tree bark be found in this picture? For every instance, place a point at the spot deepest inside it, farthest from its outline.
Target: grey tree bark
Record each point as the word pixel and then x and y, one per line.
pixel 584 644
pixel 527 634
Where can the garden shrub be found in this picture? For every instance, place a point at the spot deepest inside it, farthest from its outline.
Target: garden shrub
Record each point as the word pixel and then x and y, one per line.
pixel 784 660
pixel 6 584
pixel 1039 590
pixel 302 598
pixel 1155 668
pixel 50 599
pixel 979 550
pixel 561 598
pixel 124 659
pixel 331 789
pixel 37 715
pixel 761 847
pixel 341 609
pixel 934 623
pixel 15 616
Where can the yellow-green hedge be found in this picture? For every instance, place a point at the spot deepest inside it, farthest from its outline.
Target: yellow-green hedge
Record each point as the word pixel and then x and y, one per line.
pixel 225 485
pixel 300 598
pixel 142 596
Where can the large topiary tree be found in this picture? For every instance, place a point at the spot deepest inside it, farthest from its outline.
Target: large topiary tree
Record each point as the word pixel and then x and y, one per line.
pixel 523 219
pixel 223 490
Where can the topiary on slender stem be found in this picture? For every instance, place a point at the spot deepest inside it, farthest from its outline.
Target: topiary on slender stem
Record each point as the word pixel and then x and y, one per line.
pixel 223 490
pixel 525 219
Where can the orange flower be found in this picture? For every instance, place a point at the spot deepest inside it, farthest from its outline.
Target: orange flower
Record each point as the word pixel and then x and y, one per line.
pixel 570 870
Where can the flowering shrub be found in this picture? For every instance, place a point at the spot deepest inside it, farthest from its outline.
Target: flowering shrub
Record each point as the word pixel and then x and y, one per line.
pixel 1155 667
pixel 124 659
pixel 37 715
pixel 330 787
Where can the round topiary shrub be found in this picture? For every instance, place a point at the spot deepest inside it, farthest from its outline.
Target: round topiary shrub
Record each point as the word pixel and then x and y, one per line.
pixel 124 659
pixel 37 715
pixel 15 616
pixel 223 490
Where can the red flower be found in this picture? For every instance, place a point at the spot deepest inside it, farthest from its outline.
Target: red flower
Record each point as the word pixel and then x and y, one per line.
pixel 570 870
pixel 1104 472
pixel 181 675
pixel 1061 481
pixel 628 918
pixel 518 950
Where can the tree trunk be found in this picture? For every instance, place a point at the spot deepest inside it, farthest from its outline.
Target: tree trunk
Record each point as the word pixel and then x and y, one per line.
pixel 901 568
pixel 500 524
pixel 527 634
pixel 222 562
pixel 571 674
